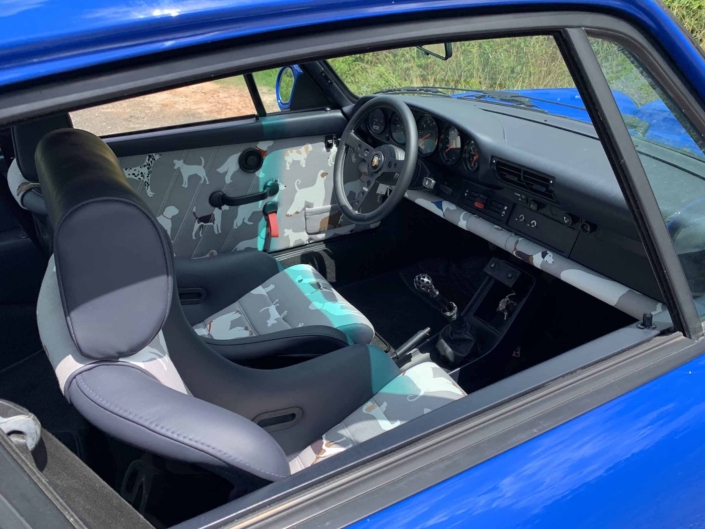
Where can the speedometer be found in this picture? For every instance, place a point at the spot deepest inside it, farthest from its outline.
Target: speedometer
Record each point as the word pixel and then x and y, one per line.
pixel 397 127
pixel 451 145
pixel 428 135
pixel 376 121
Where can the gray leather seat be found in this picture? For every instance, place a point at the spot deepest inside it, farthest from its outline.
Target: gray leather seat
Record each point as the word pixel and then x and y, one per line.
pixel 131 363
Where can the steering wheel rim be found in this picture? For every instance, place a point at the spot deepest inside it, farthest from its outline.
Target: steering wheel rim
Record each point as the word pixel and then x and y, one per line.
pixel 389 164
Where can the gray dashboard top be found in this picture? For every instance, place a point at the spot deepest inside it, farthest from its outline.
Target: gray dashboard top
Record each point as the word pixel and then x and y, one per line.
pixel 570 152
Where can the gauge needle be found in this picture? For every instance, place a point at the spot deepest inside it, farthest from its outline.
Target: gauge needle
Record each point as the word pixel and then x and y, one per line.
pixel 451 147
pixel 422 139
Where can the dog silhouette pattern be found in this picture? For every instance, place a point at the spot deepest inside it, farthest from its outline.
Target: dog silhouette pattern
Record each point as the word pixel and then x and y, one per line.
pixel 177 186
pixel 415 392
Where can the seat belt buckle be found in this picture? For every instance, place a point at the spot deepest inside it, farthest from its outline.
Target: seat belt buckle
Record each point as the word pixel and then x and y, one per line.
pixel 270 213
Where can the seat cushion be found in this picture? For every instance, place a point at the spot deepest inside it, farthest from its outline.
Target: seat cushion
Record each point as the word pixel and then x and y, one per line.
pixel 417 391
pixel 296 297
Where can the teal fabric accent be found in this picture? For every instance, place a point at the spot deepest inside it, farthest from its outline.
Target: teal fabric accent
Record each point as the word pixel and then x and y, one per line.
pixel 296 297
pixel 325 300
pixel 407 396
pixel 383 371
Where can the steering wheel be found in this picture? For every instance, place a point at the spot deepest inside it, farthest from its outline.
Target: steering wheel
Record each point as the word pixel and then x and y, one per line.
pixel 386 164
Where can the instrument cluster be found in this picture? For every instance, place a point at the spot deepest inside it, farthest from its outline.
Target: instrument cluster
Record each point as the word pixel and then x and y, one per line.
pixel 437 140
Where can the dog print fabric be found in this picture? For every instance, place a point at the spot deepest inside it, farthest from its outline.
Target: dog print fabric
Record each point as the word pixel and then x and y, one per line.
pixel 417 391
pixel 177 185
pixel 296 297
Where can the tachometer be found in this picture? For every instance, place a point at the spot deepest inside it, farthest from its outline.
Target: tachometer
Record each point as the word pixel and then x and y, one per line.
pixel 471 156
pixel 428 135
pixel 451 145
pixel 376 121
pixel 398 133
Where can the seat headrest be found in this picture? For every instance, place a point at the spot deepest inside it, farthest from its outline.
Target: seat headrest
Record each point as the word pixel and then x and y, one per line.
pixel 26 137
pixel 113 259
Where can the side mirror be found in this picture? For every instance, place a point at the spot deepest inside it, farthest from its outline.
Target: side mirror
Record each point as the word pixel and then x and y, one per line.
pixel 286 84
pixel 443 51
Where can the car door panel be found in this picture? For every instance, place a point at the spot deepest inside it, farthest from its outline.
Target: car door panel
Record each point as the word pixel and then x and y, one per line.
pixel 176 171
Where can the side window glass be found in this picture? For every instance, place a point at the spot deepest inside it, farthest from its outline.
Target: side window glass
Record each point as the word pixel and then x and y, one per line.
pixel 266 82
pixel 671 152
pixel 213 100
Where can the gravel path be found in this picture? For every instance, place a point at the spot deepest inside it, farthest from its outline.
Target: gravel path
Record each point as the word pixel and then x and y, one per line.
pixel 190 104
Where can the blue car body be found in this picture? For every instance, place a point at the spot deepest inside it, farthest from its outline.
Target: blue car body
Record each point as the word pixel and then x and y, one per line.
pixel 638 460
pixel 653 120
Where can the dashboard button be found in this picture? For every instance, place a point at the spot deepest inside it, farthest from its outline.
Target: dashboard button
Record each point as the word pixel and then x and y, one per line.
pixel 479 205
pixel 534 206
pixel 429 183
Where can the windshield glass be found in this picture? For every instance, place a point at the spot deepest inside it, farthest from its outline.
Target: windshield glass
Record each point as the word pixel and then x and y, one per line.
pixel 526 72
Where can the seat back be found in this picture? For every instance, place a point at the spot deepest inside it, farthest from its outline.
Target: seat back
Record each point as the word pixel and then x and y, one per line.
pixel 104 301
pixel 22 177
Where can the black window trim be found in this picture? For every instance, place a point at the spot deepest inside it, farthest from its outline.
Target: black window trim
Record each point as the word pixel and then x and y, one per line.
pixel 625 161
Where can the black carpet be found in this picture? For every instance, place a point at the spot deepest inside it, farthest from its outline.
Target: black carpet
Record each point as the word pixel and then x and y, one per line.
pixel 398 311
pixel 394 310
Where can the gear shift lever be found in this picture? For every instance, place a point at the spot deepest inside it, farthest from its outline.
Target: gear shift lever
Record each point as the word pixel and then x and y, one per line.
pixel 424 284
pixel 455 341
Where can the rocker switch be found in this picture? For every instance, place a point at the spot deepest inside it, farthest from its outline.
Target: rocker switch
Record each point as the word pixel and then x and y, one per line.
pixel 429 183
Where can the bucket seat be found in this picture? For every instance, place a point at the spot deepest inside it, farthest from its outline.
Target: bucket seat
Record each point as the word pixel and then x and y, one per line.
pixel 129 361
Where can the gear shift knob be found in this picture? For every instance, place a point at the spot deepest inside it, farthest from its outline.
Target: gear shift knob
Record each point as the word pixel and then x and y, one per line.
pixel 424 284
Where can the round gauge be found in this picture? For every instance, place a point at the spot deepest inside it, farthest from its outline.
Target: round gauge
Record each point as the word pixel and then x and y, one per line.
pixel 398 133
pixel 471 156
pixel 376 121
pixel 451 145
pixel 428 135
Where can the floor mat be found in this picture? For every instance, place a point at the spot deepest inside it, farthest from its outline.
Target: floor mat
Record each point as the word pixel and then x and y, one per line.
pixel 394 310
pixel 455 280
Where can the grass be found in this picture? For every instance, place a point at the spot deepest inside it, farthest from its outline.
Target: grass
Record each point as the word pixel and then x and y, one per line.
pixel 498 64
pixel 503 64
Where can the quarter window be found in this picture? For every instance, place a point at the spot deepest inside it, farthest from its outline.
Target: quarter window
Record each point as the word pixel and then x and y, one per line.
pixel 671 152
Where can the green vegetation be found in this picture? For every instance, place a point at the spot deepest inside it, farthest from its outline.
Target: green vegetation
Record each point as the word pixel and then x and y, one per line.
pixel 500 64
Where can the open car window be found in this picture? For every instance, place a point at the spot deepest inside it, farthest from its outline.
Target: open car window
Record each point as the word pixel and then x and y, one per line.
pixel 671 152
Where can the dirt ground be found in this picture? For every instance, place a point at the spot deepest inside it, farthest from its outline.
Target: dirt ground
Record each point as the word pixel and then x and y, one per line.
pixel 190 104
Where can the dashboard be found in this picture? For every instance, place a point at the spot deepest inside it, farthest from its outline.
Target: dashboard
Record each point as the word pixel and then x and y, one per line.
pixel 544 177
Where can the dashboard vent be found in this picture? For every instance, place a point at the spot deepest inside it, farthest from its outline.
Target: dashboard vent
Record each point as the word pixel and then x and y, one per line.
pixel 532 181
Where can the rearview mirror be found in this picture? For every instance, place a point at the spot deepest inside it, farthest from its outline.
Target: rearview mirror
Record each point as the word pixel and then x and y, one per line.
pixel 443 51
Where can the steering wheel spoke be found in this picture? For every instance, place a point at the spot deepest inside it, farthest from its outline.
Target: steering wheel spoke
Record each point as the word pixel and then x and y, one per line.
pixel 362 149
pixel 394 166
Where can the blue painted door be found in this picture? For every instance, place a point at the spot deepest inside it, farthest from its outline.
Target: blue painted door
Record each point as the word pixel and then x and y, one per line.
pixel 636 461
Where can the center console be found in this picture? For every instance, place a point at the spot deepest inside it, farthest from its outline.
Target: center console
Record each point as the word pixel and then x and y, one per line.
pixel 488 330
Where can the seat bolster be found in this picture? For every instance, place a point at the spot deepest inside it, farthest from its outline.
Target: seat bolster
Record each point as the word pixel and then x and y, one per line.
pixel 26 193
pixel 415 392
pixel 127 403
pixel 225 278
pixel 313 340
